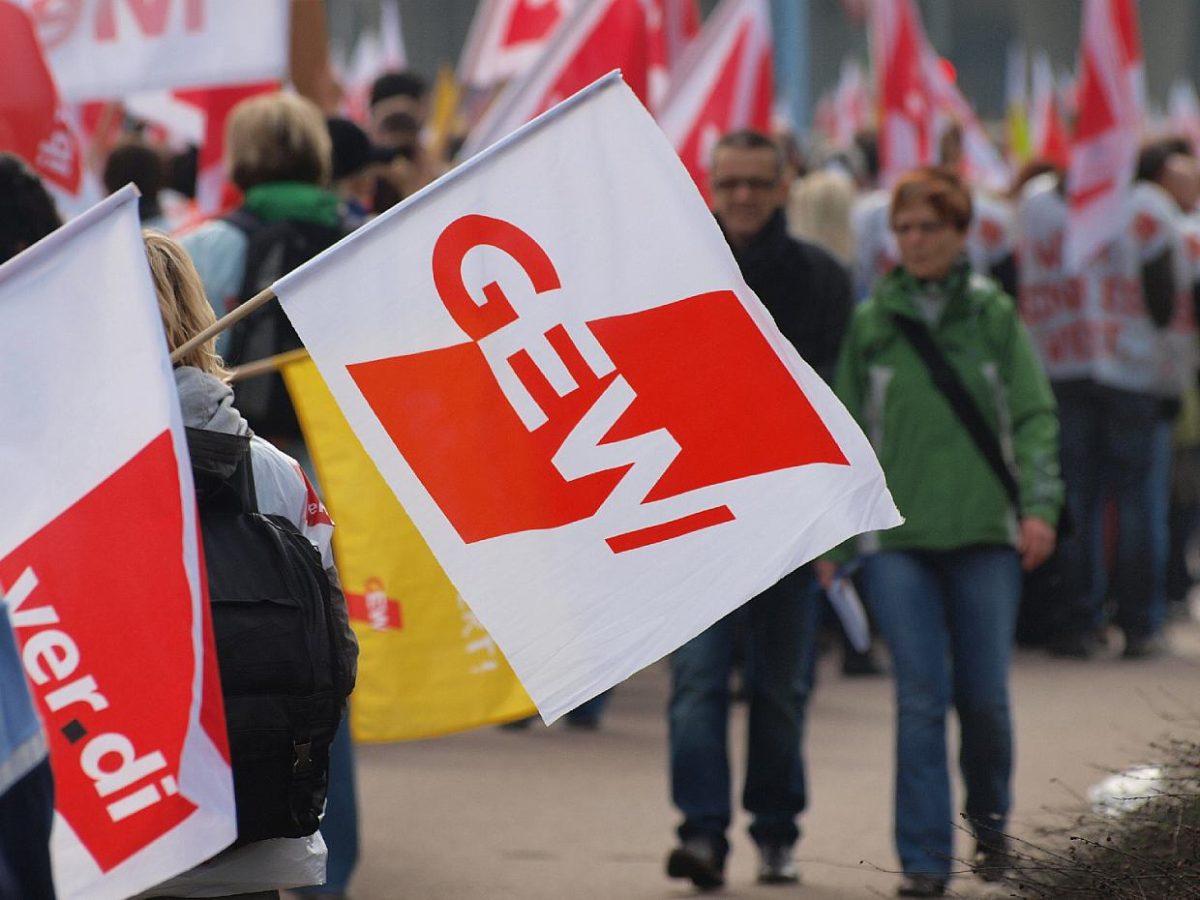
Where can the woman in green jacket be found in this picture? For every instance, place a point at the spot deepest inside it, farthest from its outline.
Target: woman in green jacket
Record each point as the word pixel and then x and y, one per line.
pixel 945 586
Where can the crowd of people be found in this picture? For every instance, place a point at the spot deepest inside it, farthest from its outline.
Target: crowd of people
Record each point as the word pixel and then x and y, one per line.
pixel 1028 418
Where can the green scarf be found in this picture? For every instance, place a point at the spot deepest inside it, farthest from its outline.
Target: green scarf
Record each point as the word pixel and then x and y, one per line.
pixel 296 201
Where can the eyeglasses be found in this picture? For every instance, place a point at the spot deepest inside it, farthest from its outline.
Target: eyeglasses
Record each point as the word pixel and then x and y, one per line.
pixel 755 184
pixel 921 228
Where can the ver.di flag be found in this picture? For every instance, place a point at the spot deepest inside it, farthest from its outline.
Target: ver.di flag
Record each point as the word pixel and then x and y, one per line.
pixel 426 667
pixel 553 360
pixel 99 562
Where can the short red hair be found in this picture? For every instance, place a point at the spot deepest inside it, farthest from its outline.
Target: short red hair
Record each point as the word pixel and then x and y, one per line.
pixel 941 189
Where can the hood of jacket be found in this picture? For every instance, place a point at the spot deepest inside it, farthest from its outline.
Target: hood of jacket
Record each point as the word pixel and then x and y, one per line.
pixel 207 402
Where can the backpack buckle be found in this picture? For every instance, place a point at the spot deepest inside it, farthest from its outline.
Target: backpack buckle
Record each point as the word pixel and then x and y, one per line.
pixel 303 761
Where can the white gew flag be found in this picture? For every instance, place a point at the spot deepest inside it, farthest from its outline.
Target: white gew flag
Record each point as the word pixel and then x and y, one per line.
pixel 599 430
pixel 106 49
pixel 99 562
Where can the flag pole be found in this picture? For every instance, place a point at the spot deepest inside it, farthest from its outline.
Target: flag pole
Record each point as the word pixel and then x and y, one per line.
pixel 227 321
pixel 266 365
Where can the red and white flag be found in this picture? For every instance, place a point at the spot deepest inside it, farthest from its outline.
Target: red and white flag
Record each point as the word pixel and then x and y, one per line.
pixel 1048 134
pixel 1110 98
pixel 597 37
pixel 506 38
pixel 34 123
pixel 605 453
pixel 724 83
pixel 375 52
pixel 100 564
pixel 107 49
pixel 906 105
pixel 673 25
pixel 851 112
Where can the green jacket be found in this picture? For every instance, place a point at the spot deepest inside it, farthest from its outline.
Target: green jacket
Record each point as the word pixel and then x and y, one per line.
pixel 949 495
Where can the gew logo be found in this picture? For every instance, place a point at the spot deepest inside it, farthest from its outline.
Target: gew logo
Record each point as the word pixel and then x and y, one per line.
pixel 628 410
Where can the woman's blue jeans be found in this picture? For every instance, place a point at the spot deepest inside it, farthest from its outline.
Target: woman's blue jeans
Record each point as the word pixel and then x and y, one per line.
pixel 949 619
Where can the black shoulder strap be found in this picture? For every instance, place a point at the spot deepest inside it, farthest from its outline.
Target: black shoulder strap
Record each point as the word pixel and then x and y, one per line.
pixel 946 380
pixel 222 469
pixel 244 220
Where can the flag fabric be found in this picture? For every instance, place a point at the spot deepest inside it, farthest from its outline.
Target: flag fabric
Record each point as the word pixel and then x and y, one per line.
pixel 1183 107
pixel 673 25
pixel 34 123
pixel 724 83
pixel 374 53
pixel 1107 128
pixel 605 453
pixel 1016 102
pixel 100 564
pixel 595 38
pixel 851 105
pixel 1048 135
pixel 906 115
pixel 426 667
pixel 506 38
pixel 106 49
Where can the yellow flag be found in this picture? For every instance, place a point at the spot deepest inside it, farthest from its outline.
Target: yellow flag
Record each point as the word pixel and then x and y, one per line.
pixel 426 666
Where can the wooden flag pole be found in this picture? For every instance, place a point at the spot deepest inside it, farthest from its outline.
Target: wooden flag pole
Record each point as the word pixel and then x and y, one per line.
pixel 267 365
pixel 226 321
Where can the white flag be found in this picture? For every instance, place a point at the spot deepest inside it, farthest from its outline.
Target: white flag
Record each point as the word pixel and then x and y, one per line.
pixel 552 358
pixel 1107 128
pixel 99 562
pixel 106 49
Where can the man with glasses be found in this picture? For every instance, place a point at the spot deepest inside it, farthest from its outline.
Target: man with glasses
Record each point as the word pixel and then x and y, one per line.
pixel 808 293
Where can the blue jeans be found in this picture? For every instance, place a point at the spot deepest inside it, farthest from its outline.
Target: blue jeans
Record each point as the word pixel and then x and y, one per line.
pixel 777 622
pixel 949 619
pixel 1158 507
pixel 1107 450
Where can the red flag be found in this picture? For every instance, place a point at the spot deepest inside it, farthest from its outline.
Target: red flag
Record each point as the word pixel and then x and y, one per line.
pixel 724 83
pixel 506 37
pixel 1107 129
pixel 906 114
pixel 32 124
pixel 1049 133
pixel 673 25
pixel 596 38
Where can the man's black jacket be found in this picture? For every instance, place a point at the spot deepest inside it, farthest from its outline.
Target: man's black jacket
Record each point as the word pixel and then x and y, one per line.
pixel 803 287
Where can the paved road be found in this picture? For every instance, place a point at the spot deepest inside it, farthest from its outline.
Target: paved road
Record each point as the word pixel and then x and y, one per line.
pixel 557 813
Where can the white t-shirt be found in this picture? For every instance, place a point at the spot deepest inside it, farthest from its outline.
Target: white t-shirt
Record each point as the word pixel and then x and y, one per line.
pixel 1094 324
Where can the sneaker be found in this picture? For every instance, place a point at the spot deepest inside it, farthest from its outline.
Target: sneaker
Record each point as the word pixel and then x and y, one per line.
pixel 775 865
pixel 1152 646
pixel 699 859
pixel 992 860
pixel 1072 646
pixel 921 886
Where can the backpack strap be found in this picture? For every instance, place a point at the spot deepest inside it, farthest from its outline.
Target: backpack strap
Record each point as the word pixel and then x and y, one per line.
pixel 222 470
pixel 946 380
pixel 243 220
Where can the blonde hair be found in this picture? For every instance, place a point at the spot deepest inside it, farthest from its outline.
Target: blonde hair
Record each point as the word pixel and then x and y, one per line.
pixel 181 302
pixel 819 211
pixel 277 137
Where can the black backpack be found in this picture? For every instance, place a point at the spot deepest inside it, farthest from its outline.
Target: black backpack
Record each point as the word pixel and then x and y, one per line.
pixel 283 676
pixel 273 250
